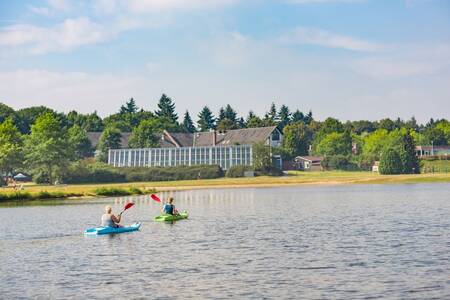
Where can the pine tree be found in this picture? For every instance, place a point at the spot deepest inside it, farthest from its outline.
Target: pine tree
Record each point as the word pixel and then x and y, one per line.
pixel 298 116
pixel 129 107
pixel 284 116
pixel 221 115
pixel 188 125
pixel 230 113
pixel 205 119
pixel 272 114
pixel 309 118
pixel 166 108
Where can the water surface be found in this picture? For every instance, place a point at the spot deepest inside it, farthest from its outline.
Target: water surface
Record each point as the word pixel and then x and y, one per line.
pixel 313 242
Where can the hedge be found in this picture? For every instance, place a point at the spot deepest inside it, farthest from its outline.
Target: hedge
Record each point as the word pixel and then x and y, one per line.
pixel 83 172
pixel 238 171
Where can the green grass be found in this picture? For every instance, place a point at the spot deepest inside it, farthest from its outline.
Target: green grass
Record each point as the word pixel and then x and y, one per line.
pixel 435 166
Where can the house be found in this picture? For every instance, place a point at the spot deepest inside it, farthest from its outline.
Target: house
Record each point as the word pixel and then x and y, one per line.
pixel 94 137
pixel 309 163
pixel 230 148
pixel 432 151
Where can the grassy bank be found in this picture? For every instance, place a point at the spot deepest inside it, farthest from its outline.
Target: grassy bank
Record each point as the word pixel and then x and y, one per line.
pixel 38 192
pixel 32 192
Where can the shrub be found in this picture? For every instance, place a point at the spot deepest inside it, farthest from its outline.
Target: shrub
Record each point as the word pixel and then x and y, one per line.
pixel 238 171
pixel 172 173
pixel 113 191
pixel 339 162
pixel 85 172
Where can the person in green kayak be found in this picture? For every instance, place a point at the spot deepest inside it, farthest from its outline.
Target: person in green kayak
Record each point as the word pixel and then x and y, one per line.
pixel 109 219
pixel 169 208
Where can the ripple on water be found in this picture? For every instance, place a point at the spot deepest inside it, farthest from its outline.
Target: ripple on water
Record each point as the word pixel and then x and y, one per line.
pixel 346 242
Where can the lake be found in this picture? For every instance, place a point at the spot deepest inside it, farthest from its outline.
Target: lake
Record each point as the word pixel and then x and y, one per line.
pixel 308 242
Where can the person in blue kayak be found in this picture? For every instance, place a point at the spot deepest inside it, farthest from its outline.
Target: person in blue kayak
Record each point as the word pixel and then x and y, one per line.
pixel 109 219
pixel 169 208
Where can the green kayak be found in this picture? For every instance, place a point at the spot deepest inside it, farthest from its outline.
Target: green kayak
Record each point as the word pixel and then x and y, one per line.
pixel 170 218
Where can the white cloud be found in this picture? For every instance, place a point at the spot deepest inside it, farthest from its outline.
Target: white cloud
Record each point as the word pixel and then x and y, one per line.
pixel 70 34
pixel 319 37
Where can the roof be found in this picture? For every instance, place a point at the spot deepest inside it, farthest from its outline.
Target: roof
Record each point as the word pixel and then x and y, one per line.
pixel 435 148
pixel 234 137
pixel 94 137
pixel 244 136
pixel 310 158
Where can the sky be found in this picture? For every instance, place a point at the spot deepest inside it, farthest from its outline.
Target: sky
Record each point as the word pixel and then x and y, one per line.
pixel 349 59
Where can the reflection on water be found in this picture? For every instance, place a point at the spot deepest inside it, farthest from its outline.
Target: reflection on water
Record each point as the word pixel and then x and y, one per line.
pixel 344 242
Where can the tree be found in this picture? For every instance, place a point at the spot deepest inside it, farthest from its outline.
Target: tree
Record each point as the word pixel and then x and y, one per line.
pixel 6 112
pixel 387 124
pixel 296 139
pixel 205 119
pixel 262 159
pixel 28 116
pixel 253 121
pixel 309 118
pixel 188 125
pixel 80 143
pixel 335 144
pixel 226 124
pixel 375 142
pixel 109 139
pixel 166 108
pixel 390 162
pixel 93 123
pixel 284 116
pixel 298 116
pixel 46 148
pixel 410 162
pixel 129 107
pixel 230 113
pixel 11 147
pixel 435 136
pixel 146 135
pixel 272 113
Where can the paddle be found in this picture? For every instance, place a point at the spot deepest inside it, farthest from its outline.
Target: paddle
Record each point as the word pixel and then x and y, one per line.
pixel 155 198
pixel 127 206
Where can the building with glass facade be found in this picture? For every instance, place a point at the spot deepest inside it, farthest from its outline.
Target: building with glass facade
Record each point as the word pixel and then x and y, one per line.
pixel 225 149
pixel 224 156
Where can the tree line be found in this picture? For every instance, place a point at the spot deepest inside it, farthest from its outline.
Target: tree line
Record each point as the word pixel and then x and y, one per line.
pixel 44 142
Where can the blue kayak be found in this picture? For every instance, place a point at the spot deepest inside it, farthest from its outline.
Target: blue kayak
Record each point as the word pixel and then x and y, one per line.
pixel 110 230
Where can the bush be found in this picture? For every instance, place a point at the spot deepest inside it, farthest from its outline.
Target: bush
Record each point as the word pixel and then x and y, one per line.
pixel 86 172
pixel 118 191
pixel 339 162
pixel 172 173
pixel 238 171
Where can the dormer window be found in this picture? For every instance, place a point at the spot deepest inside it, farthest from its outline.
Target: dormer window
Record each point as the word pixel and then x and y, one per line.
pixel 275 135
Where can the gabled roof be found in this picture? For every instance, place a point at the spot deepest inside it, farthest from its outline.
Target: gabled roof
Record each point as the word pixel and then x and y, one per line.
pixel 244 136
pixel 311 159
pixel 234 137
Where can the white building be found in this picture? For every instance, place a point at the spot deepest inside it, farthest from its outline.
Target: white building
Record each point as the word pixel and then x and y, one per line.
pixel 230 148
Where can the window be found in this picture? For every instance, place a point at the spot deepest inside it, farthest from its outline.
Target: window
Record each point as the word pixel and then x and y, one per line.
pixel 275 135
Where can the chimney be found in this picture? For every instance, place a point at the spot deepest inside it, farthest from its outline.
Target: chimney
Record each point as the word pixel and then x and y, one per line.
pixel 214 134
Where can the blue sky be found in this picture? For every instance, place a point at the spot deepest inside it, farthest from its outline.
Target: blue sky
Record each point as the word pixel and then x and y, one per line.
pixel 350 59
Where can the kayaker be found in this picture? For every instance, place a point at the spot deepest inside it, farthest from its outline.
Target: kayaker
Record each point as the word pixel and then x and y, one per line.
pixel 109 219
pixel 169 208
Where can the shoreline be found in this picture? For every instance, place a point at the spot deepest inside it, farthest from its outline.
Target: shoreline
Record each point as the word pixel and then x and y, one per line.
pixel 329 178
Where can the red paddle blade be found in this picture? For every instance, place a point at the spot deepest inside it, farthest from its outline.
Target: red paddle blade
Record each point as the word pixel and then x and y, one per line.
pixel 154 197
pixel 128 205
